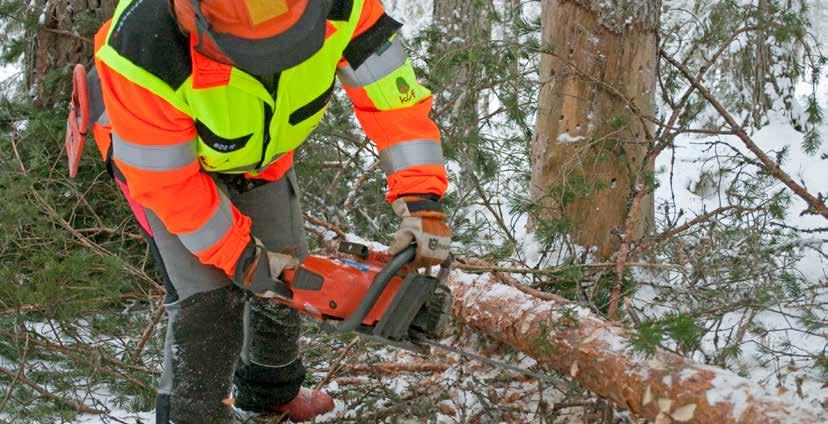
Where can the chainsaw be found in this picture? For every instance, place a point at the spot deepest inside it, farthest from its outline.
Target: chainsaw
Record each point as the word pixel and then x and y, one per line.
pixel 380 297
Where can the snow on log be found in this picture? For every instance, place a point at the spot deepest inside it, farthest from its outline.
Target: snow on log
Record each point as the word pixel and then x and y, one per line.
pixel 663 388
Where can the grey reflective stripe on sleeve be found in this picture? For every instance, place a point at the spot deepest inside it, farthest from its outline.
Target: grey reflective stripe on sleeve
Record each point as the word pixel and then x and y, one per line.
pixel 377 66
pixel 153 158
pixel 410 153
pixel 212 231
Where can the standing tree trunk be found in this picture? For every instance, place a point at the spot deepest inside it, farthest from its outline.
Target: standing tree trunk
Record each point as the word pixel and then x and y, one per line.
pixel 598 75
pixel 64 39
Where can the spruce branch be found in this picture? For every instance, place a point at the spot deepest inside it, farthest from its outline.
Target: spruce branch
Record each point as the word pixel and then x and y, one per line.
pixel 816 205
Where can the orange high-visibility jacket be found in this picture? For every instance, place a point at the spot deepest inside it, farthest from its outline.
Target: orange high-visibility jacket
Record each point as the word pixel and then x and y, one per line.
pixel 156 145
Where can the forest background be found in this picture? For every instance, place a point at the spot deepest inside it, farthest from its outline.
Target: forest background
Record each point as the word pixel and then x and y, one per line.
pixel 705 249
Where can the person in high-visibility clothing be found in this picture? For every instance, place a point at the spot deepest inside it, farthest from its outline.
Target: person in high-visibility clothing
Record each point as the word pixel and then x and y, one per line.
pixel 204 102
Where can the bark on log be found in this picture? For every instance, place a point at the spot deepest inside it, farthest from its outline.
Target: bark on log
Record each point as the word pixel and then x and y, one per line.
pixel 664 388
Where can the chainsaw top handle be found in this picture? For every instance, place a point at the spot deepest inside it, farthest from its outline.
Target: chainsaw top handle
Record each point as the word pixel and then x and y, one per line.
pixel 377 287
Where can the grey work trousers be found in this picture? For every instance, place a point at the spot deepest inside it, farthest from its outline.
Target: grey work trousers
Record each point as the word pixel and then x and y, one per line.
pixel 218 335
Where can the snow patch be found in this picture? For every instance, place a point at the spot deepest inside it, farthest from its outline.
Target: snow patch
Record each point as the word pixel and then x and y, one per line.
pixel 565 138
pixel 728 389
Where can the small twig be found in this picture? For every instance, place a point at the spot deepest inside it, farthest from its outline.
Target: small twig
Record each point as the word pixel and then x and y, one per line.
pixel 34 307
pixel 350 163
pixel 16 153
pixel 506 279
pixel 349 201
pixel 488 205
pixel 469 266
pixel 682 228
pixel 22 309
pixel 390 368
pixel 631 311
pixel 77 406
pixel 338 364
pixel 69 34
pixel 746 322
pixel 624 251
pixel 148 331
pixel 97 230
pixel 21 366
pixel 352 381
pixel 327 225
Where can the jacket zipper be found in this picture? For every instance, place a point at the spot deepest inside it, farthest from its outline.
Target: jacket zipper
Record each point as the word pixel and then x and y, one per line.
pixel 272 85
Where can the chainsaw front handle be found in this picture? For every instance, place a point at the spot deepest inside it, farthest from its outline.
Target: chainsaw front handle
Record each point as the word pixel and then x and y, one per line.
pixel 377 287
pixel 380 283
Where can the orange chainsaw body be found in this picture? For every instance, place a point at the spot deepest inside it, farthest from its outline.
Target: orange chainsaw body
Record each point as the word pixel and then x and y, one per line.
pixel 382 298
pixel 332 288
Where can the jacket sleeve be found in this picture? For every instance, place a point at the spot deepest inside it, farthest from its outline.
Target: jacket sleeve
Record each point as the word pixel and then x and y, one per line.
pixel 154 147
pixel 392 107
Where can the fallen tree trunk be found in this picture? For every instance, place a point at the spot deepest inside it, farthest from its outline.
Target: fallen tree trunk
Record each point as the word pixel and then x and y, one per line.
pixel 663 388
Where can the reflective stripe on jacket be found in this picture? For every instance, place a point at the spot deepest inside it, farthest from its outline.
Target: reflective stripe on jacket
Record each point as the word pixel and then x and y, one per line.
pixel 177 114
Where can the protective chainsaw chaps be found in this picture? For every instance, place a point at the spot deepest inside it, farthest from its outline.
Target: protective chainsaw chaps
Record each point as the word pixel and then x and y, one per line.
pixel 382 298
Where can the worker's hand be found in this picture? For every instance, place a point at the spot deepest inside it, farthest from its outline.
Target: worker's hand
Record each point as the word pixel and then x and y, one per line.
pixel 258 270
pixel 423 223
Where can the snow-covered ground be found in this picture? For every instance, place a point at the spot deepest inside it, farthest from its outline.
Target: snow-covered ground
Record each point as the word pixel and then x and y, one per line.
pixel 119 416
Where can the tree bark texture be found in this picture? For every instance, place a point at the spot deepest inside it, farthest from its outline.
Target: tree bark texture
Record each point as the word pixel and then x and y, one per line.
pixel 663 388
pixel 590 143
pixel 64 39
